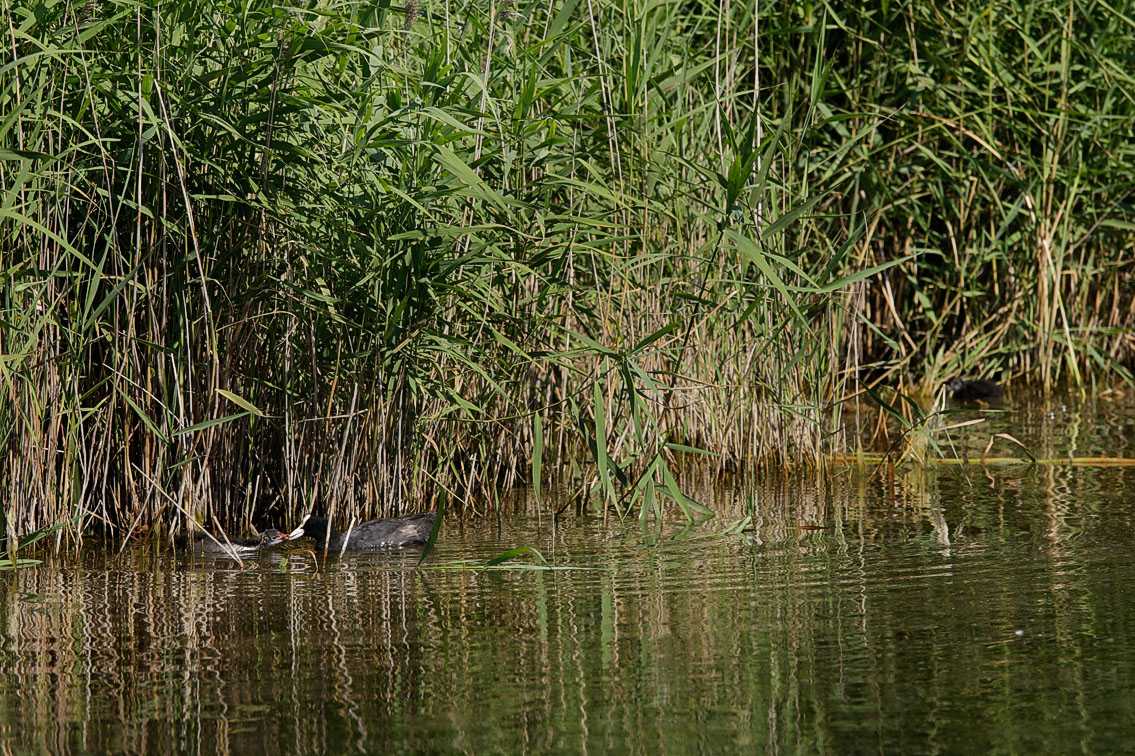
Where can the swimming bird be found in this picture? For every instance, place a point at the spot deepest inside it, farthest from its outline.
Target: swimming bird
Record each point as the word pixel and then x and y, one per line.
pixel 242 548
pixel 974 391
pixel 372 535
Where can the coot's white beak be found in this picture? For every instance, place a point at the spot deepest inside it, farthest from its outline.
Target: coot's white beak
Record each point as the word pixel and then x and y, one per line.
pixel 298 532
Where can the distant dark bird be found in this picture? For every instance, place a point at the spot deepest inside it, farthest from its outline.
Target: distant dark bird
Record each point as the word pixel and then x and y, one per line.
pixel 974 391
pixel 372 535
pixel 243 548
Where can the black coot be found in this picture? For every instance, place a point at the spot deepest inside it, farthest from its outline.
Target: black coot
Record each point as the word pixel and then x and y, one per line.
pixel 372 535
pixel 974 391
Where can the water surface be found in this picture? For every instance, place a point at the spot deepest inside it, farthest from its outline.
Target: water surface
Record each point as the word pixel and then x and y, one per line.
pixel 956 609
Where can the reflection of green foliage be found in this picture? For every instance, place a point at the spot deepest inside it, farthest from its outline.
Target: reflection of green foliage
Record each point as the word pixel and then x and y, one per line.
pixel 873 630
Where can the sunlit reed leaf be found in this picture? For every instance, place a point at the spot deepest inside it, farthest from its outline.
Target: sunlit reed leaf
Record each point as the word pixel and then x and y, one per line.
pixel 210 423
pixel 537 454
pixel 602 461
pixel 241 402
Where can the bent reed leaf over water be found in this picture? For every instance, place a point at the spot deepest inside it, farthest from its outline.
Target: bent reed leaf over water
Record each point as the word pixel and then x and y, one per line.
pixel 392 239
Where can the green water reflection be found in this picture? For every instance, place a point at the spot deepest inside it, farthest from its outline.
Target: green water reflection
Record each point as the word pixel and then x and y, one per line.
pixel 958 610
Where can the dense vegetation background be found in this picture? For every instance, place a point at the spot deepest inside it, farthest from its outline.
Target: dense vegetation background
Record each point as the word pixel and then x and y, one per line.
pixel 259 257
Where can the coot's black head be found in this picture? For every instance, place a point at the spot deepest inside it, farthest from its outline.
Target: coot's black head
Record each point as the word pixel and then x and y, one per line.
pixel 316 528
pixel 974 390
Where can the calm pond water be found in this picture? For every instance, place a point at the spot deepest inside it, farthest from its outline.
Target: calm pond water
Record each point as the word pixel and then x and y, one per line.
pixel 961 609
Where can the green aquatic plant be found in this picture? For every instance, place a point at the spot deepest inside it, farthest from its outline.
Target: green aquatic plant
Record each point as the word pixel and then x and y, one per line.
pixel 507 560
pixel 13 546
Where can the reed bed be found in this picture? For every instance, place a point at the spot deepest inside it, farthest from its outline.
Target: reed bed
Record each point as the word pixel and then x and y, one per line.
pixel 264 258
